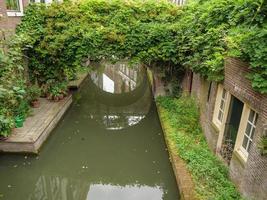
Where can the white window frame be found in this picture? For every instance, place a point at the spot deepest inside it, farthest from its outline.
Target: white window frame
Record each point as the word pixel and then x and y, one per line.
pixel 16 13
pixel 217 109
pixel 46 1
pixel 179 2
pixel 243 153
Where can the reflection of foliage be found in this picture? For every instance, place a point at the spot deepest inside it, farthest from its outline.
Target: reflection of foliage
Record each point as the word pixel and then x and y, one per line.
pixel 180 118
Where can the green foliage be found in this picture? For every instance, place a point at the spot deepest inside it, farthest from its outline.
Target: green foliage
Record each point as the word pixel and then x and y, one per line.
pixel 263 145
pixel 244 42
pixel 58 38
pixel 12 85
pixel 6 124
pixel 61 36
pixel 210 176
pixel 33 93
pixel 57 91
pixel 199 36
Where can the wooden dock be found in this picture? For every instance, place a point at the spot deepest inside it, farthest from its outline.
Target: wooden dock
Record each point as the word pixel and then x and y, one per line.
pixel 37 127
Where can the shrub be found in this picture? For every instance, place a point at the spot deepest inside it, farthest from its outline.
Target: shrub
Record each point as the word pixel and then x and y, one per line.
pixel 12 85
pixel 197 36
pixel 33 93
pixel 209 174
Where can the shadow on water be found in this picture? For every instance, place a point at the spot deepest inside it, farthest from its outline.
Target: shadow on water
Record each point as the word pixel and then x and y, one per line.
pixel 109 146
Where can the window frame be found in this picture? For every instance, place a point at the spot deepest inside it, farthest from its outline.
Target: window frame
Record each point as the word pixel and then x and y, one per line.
pixel 242 152
pixel 46 1
pixel 217 108
pixel 16 13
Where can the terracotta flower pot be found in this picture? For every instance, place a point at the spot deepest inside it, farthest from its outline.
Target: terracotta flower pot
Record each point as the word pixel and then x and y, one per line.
pixel 49 97
pixel 56 98
pixel 61 97
pixel 35 104
pixel 3 138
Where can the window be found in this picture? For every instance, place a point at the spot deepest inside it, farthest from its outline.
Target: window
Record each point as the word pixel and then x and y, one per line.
pixel 209 91
pixel 14 7
pixel 45 1
pixel 249 131
pixel 246 132
pixel 222 106
pixel 179 2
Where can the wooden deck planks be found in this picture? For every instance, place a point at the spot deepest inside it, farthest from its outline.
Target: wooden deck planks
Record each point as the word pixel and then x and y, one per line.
pixel 37 127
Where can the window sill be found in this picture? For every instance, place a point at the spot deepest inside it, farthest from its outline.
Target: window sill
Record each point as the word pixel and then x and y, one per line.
pixel 240 157
pixel 14 14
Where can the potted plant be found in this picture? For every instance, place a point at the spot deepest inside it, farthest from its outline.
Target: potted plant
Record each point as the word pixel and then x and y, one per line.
pixel 54 93
pixel 34 93
pixel 19 120
pixel 58 91
pixel 6 125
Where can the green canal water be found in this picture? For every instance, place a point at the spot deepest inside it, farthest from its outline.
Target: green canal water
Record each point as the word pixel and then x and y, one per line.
pixel 109 146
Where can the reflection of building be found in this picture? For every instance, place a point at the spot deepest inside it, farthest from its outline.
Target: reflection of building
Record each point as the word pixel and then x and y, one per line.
pixel 62 188
pixel 118 78
pixel 129 75
pixel 59 188
pixel 122 94
pixel 179 2
pixel 129 192
pixel 234 119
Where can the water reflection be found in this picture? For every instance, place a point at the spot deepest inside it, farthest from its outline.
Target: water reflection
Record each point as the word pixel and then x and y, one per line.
pixel 60 188
pixel 117 122
pixel 117 78
pixel 129 192
pixel 108 146
pixel 123 93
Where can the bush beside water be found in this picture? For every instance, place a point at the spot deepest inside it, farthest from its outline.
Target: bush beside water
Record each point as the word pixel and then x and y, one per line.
pixel 210 175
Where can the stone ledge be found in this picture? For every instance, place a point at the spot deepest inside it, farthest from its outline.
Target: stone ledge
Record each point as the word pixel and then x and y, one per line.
pixel 76 84
pixel 37 128
pixel 183 178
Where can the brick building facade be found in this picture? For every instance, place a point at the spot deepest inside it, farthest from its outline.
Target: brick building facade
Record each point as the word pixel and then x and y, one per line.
pixel 11 14
pixel 234 118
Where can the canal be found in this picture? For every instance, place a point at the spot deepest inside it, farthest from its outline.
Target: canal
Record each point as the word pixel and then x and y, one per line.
pixel 109 146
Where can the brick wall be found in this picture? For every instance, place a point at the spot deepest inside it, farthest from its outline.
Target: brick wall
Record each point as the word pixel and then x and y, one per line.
pixel 200 88
pixel 250 177
pixel 8 24
pixel 186 82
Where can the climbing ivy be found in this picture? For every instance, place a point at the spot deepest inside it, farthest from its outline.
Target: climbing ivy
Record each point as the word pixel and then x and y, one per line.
pixel 197 36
